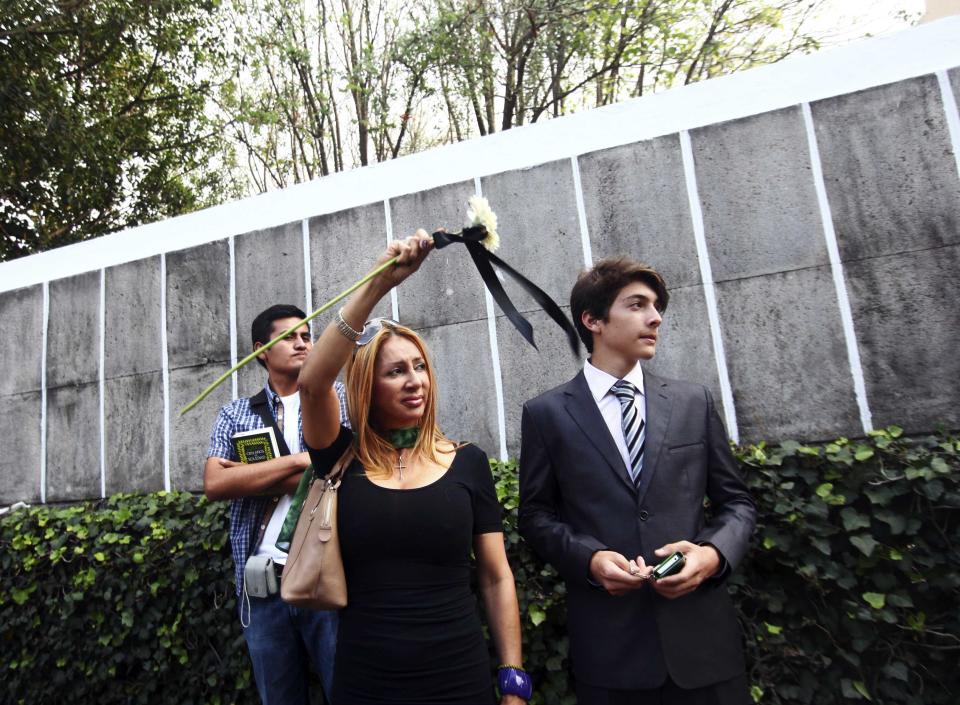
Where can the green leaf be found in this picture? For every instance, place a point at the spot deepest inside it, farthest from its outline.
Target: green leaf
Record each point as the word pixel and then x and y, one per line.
pixel 898 670
pixel 865 543
pixel 773 629
pixel 895 431
pixel 940 466
pixel 853 690
pixel 821 545
pixel 537 615
pixel 897 600
pixel 863 453
pixel 756 692
pixel 875 599
pixel 825 490
pixel 896 522
pixel 853 520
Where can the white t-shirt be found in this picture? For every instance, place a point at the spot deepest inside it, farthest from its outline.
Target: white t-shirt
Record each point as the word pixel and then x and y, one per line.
pixel 291 434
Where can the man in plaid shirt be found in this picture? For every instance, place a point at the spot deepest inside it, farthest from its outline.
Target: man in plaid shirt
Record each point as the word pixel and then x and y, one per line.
pixel 285 642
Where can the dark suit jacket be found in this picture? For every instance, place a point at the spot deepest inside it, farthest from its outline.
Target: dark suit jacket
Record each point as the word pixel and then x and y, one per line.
pixel 576 498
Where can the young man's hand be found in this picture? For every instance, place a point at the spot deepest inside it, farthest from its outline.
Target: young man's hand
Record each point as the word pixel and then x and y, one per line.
pixel 616 574
pixel 701 562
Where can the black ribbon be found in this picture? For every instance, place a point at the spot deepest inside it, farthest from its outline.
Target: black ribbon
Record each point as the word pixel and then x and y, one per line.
pixel 484 261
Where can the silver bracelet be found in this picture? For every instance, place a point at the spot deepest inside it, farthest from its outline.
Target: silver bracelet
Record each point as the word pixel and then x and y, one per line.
pixel 345 330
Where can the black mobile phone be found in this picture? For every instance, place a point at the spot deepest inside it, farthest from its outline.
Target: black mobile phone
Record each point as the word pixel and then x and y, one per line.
pixel 668 566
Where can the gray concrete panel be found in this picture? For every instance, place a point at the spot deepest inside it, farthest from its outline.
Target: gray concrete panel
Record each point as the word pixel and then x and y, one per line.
pixel 273 259
pixel 786 357
pixel 190 434
pixel 464 371
pixel 20 461
pixel 198 305
pixel 343 247
pixel 635 198
pixel 133 409
pixel 760 210
pixel 954 76
pixel 132 318
pixel 73 442
pixel 908 328
pixel 73 332
pixel 539 228
pixel 684 344
pixel 527 372
pixel 889 169
pixel 447 289
pixel 21 315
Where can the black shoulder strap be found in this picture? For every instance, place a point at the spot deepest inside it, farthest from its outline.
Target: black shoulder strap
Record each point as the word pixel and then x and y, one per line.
pixel 260 405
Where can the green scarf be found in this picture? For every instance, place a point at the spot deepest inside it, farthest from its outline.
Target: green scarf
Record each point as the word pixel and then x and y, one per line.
pixel 403 437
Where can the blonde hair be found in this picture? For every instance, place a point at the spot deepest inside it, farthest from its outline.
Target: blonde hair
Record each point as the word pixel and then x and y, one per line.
pixel 373 450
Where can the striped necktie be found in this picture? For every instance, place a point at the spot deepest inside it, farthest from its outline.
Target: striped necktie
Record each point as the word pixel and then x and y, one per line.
pixel 633 426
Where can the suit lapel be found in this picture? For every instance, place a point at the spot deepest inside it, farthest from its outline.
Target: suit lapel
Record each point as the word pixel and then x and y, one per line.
pixel 581 406
pixel 659 404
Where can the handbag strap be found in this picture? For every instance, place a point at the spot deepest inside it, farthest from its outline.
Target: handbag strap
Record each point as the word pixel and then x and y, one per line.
pixel 336 472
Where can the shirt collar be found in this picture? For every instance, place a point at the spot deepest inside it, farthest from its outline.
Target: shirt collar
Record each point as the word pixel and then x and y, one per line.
pixel 600 381
pixel 271 395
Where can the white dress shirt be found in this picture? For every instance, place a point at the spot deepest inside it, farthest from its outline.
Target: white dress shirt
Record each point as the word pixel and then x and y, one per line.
pixel 600 383
pixel 291 434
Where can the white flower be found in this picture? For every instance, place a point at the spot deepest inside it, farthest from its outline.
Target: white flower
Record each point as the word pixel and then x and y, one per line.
pixel 480 213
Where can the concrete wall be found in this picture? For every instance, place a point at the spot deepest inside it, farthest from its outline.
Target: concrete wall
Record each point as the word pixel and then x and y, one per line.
pixel 811 249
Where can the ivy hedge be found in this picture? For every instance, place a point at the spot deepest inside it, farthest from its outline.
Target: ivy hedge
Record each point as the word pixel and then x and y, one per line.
pixel 851 592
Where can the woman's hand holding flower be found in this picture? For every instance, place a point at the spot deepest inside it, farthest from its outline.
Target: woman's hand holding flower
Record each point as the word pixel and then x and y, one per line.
pixel 410 253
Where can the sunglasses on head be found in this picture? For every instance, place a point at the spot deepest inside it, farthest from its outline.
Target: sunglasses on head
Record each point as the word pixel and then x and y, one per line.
pixel 372 327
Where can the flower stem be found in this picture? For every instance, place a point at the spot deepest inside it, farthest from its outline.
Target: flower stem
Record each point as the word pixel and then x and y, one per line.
pixel 226 375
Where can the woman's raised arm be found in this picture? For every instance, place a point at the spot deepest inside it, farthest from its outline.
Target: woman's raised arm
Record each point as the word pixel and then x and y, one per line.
pixel 319 405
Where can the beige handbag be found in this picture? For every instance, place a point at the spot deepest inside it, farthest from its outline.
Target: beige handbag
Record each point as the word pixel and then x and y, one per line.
pixel 313 576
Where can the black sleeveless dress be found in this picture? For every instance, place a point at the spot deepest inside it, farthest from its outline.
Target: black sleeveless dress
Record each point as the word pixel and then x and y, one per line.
pixel 411 631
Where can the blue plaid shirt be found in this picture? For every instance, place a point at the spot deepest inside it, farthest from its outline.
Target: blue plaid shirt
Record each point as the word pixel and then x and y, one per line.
pixel 247 512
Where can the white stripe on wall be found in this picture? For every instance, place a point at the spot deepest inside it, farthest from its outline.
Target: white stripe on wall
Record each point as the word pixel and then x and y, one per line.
pixel 307 275
pixel 388 221
pixel 709 291
pixel 165 372
pixel 43 393
pixel 582 214
pixel 233 317
pixel 494 355
pixel 836 267
pixel 102 316
pixel 953 118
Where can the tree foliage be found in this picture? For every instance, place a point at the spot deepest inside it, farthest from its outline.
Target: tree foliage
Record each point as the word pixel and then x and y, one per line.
pixel 102 116
pixel 118 112
pixel 325 85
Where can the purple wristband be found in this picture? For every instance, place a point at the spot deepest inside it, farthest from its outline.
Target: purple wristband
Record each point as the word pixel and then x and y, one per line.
pixel 514 681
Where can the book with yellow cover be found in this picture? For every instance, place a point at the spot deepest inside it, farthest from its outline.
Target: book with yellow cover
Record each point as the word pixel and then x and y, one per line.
pixel 256 445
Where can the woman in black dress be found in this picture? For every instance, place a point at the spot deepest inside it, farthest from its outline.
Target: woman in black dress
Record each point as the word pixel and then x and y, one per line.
pixel 413 506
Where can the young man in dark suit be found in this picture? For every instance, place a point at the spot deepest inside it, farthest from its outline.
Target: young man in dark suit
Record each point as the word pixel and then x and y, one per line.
pixel 614 467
